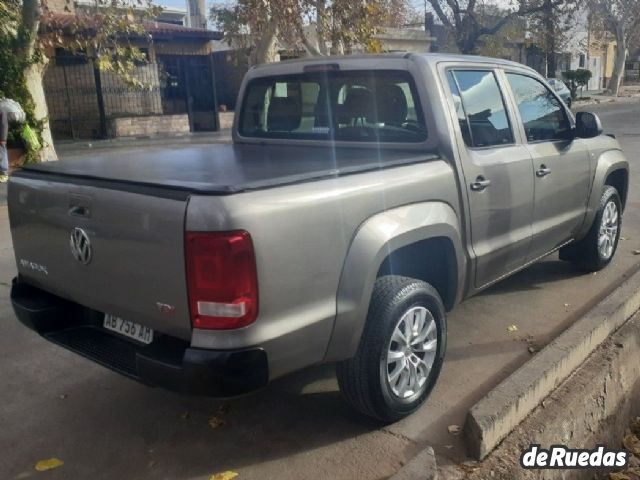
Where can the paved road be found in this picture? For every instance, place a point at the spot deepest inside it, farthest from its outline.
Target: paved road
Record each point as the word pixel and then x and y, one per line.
pixel 53 403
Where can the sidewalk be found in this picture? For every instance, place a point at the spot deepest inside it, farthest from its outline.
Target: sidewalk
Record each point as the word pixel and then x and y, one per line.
pixel 594 97
pixel 72 147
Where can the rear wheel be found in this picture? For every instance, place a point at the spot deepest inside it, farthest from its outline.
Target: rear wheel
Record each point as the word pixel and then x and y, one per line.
pixel 400 353
pixel 596 250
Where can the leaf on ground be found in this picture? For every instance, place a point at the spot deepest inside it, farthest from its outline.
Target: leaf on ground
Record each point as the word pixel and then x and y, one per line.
pixel 453 429
pixel 215 421
pixel 632 443
pixel 512 328
pixel 48 464
pixel 228 475
pixel 469 467
pixel 618 476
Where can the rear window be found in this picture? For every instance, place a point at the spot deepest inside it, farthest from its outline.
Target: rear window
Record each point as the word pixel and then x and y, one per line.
pixel 361 106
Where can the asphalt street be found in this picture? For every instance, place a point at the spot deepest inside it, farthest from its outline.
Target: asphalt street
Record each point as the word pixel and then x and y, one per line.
pixel 101 425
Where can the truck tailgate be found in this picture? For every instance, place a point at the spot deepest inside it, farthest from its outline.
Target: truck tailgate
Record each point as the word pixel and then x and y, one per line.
pixel 136 268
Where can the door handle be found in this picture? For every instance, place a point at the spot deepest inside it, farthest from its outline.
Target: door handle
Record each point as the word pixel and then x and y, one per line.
pixel 543 171
pixel 480 184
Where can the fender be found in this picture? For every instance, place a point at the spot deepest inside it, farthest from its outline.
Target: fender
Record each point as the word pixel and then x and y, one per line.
pixel 376 238
pixel 606 163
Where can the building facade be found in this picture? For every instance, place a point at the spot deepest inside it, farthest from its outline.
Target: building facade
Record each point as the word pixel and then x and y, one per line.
pixel 176 91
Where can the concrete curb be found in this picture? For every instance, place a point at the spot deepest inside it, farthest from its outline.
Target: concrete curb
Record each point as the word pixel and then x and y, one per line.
pixel 491 419
pixel 421 467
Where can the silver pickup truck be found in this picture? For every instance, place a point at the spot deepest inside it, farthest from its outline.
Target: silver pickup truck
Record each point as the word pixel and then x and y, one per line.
pixel 361 199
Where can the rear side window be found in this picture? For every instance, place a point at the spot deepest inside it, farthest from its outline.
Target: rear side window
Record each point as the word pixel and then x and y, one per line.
pixel 480 107
pixel 542 114
pixel 363 106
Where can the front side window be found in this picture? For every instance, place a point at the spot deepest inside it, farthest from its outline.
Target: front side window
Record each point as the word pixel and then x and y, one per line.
pixel 478 98
pixel 543 116
pixel 363 106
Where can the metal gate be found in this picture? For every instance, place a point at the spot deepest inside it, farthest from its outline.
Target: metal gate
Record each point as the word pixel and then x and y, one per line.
pixel 189 87
pixel 81 99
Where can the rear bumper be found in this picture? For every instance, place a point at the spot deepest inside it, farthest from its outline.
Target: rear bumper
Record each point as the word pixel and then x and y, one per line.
pixel 167 362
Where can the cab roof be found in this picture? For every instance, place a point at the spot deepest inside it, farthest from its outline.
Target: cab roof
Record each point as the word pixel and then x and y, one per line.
pixel 430 58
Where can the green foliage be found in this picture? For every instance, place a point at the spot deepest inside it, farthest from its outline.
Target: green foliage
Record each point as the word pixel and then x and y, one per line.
pixel 12 73
pixel 575 79
pixel 342 24
pixel 110 33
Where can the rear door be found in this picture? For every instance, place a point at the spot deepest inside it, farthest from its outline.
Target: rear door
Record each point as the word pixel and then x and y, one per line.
pixel 127 258
pixel 561 163
pixel 498 174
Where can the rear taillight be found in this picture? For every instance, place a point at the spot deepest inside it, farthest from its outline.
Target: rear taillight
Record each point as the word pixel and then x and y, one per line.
pixel 221 279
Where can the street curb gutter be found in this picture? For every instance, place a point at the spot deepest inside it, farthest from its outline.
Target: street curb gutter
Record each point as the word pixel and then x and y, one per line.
pixel 491 419
pixel 421 467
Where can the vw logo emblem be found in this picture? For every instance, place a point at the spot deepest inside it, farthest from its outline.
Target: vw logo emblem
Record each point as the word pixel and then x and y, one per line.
pixel 81 246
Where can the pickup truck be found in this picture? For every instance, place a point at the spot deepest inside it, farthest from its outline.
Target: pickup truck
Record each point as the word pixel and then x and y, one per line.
pixel 362 198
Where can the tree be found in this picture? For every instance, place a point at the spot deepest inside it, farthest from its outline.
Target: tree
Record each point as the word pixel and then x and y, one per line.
pixel 28 31
pixel 621 18
pixel 500 44
pixel 318 27
pixel 550 29
pixel 465 21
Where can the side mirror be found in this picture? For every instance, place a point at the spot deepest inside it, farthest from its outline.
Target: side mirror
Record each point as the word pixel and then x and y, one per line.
pixel 588 125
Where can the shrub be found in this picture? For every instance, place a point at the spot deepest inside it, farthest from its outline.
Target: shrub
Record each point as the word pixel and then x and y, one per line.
pixel 576 78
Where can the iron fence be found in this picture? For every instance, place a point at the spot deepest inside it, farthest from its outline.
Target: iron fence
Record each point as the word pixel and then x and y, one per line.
pixel 82 100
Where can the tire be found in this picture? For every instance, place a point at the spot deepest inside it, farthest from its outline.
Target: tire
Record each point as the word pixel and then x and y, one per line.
pixel 587 253
pixel 365 380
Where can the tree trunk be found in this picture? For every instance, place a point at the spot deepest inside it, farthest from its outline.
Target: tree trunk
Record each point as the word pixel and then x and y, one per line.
pixel 618 65
pixel 550 39
pixel 33 79
pixel 34 73
pixel 468 36
pixel 266 46
pixel 321 27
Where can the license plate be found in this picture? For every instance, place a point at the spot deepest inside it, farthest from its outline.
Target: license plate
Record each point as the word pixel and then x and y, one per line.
pixel 128 329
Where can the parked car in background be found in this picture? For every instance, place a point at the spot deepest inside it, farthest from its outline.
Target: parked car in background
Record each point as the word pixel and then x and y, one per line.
pixel 362 199
pixel 561 90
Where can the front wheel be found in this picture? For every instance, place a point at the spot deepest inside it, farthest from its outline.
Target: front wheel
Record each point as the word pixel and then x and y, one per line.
pixel 400 353
pixel 596 250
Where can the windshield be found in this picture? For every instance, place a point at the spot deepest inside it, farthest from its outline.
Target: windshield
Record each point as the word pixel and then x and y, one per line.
pixel 364 106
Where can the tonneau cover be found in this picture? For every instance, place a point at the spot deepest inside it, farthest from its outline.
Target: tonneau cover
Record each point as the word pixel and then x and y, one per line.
pixel 224 169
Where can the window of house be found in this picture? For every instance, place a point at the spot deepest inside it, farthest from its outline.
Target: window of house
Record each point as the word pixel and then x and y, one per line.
pixel 542 114
pixel 363 106
pixel 479 105
pixel 67 58
pixel 583 60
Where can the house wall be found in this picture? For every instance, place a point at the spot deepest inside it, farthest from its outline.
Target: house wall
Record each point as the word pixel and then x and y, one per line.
pixel 61 6
pixel 184 47
pixel 148 126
